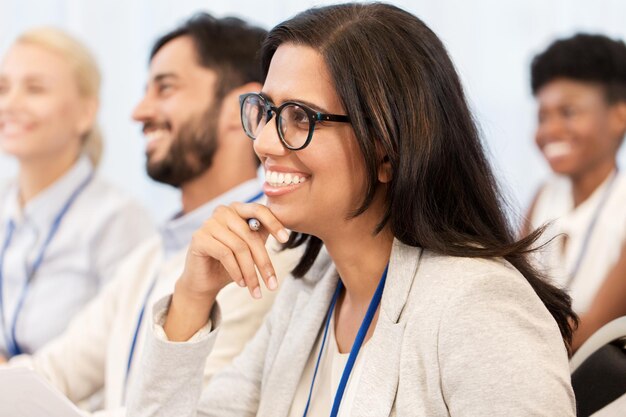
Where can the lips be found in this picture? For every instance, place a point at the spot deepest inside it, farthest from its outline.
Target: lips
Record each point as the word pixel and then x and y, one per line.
pixel 12 128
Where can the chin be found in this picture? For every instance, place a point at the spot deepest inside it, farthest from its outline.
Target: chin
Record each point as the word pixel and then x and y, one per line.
pixel 563 168
pixel 13 149
pixel 287 215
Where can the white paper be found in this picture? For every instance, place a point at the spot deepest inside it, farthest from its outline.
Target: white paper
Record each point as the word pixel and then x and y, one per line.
pixel 23 393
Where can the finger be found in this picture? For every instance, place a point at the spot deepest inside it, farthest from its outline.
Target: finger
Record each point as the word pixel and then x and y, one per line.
pixel 206 245
pixel 241 251
pixel 256 245
pixel 268 221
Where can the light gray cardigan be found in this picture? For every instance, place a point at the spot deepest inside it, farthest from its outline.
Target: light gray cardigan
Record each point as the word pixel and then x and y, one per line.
pixel 454 337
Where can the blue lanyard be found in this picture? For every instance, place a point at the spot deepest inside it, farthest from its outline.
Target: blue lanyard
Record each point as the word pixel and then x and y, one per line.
pixel 356 347
pixel 133 345
pixel 589 231
pixel 13 347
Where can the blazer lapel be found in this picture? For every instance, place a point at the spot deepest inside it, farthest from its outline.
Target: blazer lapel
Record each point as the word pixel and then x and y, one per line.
pixel 381 366
pixel 301 334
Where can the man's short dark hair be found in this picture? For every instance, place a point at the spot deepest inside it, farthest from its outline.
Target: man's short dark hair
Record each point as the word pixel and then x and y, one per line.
pixel 228 46
pixel 586 58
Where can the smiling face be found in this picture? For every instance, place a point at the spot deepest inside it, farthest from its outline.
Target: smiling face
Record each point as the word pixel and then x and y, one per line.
pixel 577 130
pixel 179 114
pixel 42 113
pixel 315 189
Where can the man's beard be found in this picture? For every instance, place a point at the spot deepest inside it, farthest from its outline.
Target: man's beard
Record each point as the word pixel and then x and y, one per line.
pixel 191 152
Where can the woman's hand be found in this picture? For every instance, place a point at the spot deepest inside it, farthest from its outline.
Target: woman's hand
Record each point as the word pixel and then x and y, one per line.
pixel 224 249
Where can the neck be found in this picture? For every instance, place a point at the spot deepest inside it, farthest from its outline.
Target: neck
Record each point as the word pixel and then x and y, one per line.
pixel 226 172
pixel 585 184
pixel 37 174
pixel 360 259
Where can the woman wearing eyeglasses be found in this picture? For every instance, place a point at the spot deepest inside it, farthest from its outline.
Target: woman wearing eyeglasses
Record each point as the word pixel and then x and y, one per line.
pixel 63 230
pixel 412 297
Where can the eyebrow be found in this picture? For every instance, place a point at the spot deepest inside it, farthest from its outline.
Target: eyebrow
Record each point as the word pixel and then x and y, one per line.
pixel 29 78
pixel 164 76
pixel 314 106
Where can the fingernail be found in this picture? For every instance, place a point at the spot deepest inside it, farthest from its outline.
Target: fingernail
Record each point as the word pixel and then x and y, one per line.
pixel 283 236
pixel 256 293
pixel 242 283
pixel 272 284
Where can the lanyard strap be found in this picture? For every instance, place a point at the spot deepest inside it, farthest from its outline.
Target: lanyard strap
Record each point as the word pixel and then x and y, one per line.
pixel 590 229
pixel 133 344
pixel 356 347
pixel 5 247
pixel 10 333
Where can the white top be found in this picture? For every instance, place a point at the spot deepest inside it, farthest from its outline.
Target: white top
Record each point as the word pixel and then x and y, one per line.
pixel 332 364
pixel 99 229
pixel 569 228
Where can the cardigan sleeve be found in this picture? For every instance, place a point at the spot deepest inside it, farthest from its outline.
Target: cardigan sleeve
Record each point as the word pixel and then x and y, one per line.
pixel 170 381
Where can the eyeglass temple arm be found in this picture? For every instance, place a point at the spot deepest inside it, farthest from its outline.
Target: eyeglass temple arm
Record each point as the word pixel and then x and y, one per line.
pixel 332 118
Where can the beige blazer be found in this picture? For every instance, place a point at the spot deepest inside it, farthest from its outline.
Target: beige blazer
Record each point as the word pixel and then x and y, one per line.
pixel 454 337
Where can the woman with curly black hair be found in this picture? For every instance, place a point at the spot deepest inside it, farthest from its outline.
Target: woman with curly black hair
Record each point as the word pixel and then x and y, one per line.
pixel 580 87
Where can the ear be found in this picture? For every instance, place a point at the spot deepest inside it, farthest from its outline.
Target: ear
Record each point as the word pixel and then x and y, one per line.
pixel 87 119
pixel 230 118
pixel 618 119
pixel 385 173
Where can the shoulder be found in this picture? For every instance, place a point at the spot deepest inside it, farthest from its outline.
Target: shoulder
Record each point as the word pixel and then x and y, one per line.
pixel 484 325
pixel 620 186
pixel 552 200
pixel 457 280
pixel 449 292
pixel 109 198
pixel 148 252
pixel 6 185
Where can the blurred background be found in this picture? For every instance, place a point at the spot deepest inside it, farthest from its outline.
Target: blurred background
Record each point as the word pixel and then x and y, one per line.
pixel 491 42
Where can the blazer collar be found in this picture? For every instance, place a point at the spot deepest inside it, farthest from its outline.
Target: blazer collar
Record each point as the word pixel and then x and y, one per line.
pixel 381 365
pixel 403 265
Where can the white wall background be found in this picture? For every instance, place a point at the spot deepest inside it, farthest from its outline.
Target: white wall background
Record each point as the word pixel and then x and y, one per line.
pixel 491 42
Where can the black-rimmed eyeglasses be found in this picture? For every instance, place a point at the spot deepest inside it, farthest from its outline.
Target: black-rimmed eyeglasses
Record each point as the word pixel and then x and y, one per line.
pixel 295 122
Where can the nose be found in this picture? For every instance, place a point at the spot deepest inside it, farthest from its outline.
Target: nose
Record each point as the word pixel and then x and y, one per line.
pixel 550 128
pixel 267 143
pixel 145 109
pixel 10 99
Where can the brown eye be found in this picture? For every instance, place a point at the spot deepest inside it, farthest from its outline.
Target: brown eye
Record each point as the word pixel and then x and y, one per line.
pixel 35 89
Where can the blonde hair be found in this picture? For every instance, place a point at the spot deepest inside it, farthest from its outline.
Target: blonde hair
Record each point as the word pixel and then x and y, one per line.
pixel 86 72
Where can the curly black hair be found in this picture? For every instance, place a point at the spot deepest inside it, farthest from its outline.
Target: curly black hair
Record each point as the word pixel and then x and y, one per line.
pixel 583 57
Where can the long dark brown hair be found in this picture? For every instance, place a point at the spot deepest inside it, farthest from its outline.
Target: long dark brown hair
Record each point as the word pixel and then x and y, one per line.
pixel 405 100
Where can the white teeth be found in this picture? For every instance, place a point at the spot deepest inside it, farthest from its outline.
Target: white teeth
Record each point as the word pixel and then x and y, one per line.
pixel 11 128
pixel 557 149
pixel 278 179
pixel 156 135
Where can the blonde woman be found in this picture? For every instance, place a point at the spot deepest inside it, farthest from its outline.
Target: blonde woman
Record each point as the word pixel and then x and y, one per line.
pixel 62 229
